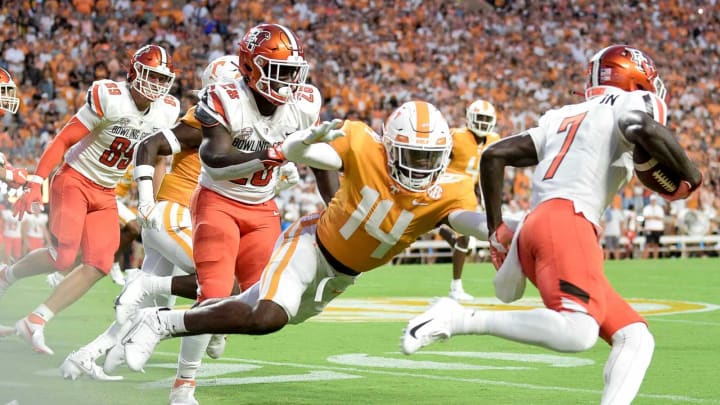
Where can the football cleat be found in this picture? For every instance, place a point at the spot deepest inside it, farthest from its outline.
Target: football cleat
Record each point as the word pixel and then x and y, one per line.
pixel 216 347
pixel 460 295
pixel 430 326
pixel 114 358
pixel 183 393
pixel 81 362
pixel 35 335
pixel 132 295
pixel 53 279
pixel 117 275
pixel 140 342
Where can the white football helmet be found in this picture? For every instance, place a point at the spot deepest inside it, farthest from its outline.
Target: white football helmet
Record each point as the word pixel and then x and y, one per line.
pixel 481 118
pixel 418 143
pixel 222 69
pixel 9 100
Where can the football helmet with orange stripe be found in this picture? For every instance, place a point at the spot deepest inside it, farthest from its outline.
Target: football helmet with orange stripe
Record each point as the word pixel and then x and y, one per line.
pixel 418 143
pixel 272 60
pixel 624 67
pixel 9 100
pixel 481 118
pixel 222 69
pixel 151 72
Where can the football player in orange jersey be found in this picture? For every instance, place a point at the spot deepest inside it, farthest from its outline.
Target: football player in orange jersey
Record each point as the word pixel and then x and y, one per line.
pixel 394 189
pixel 468 144
pixel 93 151
pixel 582 153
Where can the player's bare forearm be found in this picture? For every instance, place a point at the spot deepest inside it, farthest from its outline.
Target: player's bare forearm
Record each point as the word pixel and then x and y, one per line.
pixel 516 151
pixel 660 142
pixel 216 149
pixel 328 183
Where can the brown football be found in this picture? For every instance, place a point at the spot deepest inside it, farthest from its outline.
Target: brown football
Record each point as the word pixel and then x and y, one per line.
pixel 654 175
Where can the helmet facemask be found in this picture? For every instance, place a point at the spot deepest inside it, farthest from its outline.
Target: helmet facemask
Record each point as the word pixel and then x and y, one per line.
pixel 152 83
pixel 481 124
pixel 281 79
pixel 416 168
pixel 8 98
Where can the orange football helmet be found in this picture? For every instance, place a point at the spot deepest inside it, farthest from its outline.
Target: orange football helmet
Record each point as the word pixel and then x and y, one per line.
pixel 417 143
pixel 9 100
pixel 151 72
pixel 624 67
pixel 272 60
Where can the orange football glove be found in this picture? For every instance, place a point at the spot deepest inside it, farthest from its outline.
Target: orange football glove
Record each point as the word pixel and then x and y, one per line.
pixel 499 244
pixel 31 199
pixel 15 177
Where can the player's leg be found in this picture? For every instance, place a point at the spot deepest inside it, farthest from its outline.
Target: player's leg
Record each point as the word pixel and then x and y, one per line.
pixel 560 254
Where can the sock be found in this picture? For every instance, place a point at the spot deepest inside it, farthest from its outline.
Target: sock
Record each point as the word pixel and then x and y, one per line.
pixel 192 349
pixel 456 285
pixel 160 285
pixel 174 320
pixel 472 322
pixel 106 340
pixel 41 315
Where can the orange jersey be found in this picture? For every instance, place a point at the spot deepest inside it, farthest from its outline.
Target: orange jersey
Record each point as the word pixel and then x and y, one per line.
pixel 371 218
pixel 123 187
pixel 466 152
pixel 180 182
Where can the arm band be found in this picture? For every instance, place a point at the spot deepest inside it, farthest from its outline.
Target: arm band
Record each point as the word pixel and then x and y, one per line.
pixel 172 140
pixel 143 171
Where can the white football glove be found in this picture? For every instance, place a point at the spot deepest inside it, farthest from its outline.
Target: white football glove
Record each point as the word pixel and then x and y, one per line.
pixel 289 177
pixel 145 215
pixel 325 132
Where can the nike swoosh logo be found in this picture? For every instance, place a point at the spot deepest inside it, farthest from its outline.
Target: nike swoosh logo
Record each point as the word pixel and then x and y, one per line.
pixel 413 330
pixel 417 203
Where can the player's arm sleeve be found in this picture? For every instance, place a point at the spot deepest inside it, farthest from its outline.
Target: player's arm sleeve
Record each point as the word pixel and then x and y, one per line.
pixel 69 135
pixel 471 223
pixel 318 155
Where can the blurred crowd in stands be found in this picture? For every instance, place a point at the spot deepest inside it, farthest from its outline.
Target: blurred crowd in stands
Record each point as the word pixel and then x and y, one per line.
pixel 368 56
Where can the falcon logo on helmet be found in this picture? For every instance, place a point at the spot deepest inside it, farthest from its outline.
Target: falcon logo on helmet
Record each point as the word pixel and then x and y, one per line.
pixel 256 38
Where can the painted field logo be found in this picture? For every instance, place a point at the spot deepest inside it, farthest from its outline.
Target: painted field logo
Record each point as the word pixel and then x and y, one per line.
pixel 401 309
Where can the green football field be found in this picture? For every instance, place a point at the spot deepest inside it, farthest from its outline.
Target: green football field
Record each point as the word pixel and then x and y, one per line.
pixel 350 354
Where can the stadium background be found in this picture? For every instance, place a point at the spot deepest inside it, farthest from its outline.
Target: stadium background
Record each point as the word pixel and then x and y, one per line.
pixel 367 57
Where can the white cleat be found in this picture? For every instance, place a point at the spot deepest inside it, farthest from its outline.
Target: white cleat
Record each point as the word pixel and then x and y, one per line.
pixel 216 347
pixel 114 358
pixel 117 275
pixel 132 295
pixel 430 326
pixel 53 279
pixel 183 393
pixel 460 295
pixel 34 334
pixel 144 335
pixel 81 362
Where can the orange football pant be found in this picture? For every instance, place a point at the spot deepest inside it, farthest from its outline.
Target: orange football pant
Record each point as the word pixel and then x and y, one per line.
pixel 13 247
pixel 83 215
pixel 560 254
pixel 231 241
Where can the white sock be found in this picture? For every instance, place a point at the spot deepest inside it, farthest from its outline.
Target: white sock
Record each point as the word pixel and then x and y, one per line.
pixel 160 285
pixel 44 313
pixel 192 349
pixel 456 285
pixel 560 331
pixel 174 320
pixel 632 350
pixel 107 339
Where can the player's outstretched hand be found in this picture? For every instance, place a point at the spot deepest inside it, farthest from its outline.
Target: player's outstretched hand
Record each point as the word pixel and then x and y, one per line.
pixel 324 132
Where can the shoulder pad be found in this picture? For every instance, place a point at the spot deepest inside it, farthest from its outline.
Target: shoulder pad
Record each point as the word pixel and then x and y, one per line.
pixel 646 101
pixel 309 102
pixel 106 96
pixel 215 98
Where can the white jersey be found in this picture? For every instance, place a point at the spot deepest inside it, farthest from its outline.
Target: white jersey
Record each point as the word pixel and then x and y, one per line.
pixel 582 154
pixel 232 105
pixel 116 126
pixel 12 228
pixel 35 224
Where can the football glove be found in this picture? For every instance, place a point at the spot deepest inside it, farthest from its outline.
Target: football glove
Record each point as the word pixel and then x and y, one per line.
pixel 146 204
pixel 289 177
pixel 31 199
pixel 499 244
pixel 325 132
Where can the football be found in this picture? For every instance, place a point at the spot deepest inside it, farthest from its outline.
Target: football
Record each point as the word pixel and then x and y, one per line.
pixel 652 174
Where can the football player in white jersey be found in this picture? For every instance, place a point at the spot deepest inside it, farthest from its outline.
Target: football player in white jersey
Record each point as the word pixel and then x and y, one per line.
pixel 583 154
pixel 98 144
pixel 35 231
pixel 166 228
